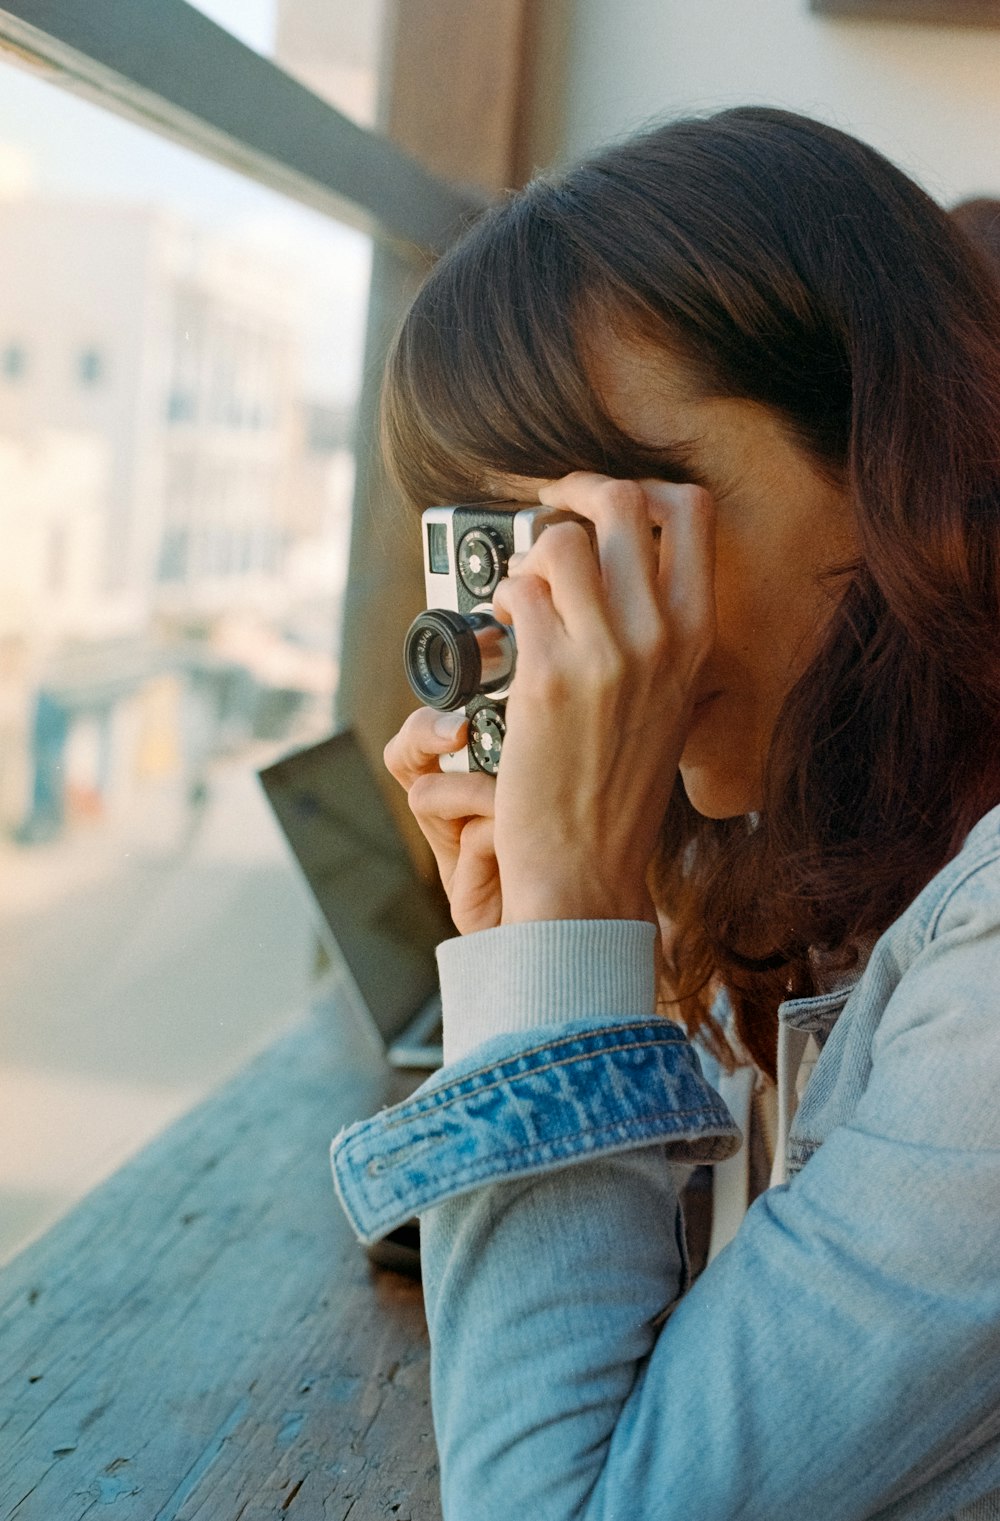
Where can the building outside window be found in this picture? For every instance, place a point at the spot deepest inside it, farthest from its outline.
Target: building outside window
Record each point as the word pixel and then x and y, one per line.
pixel 13 361
pixel 90 367
pixel 176 476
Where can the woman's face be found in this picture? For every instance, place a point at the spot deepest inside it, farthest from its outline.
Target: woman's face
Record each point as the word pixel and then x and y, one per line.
pixel 780 526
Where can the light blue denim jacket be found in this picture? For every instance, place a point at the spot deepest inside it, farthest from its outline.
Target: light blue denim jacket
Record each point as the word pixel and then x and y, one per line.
pixel 840 1359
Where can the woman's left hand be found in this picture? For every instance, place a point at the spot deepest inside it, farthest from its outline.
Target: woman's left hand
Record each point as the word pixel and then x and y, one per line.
pixel 609 650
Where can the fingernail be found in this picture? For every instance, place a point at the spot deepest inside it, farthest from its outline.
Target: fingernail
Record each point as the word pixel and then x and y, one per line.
pixel 448 725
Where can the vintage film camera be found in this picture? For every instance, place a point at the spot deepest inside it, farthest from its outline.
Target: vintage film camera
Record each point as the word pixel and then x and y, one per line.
pixel 458 654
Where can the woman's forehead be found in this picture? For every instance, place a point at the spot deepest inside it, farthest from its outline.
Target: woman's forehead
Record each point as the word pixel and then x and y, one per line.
pixel 644 387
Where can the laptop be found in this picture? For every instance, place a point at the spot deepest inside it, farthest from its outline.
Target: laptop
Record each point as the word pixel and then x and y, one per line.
pixel 377 916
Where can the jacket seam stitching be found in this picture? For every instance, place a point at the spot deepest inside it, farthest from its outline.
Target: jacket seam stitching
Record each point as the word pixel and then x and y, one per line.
pixel 438 1100
pixel 576 1135
pixel 939 909
pixel 667 1039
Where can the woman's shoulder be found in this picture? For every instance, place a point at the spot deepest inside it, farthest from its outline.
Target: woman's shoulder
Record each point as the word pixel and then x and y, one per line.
pixel 962 898
pixel 935 972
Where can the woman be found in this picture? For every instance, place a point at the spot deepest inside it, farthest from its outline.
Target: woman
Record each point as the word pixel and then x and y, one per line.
pixel 759 735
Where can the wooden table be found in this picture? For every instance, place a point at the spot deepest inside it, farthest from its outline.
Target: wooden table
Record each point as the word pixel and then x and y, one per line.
pixel 202 1339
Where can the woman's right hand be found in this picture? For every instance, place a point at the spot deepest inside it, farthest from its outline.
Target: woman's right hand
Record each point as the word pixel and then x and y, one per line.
pixel 455 812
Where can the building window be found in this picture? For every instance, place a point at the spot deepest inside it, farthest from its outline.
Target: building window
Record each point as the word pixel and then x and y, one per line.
pixel 181 407
pixel 90 367
pixel 14 361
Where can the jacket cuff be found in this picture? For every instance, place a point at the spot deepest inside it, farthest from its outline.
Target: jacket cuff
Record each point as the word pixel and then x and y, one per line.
pixel 520 976
pixel 567 1095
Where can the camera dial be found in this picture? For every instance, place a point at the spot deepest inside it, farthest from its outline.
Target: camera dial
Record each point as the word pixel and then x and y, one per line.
pixel 486 732
pixel 481 560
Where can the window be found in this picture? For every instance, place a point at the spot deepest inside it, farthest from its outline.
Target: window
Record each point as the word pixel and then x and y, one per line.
pixel 173 564
pixel 172 574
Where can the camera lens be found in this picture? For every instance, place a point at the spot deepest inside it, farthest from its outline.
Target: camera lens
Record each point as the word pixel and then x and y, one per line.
pixel 440 661
pixel 449 657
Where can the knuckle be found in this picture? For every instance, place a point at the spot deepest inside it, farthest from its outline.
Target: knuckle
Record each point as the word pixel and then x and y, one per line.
pixel 421 795
pixel 477 835
pixel 396 756
pixel 563 536
pixel 528 588
pixel 609 669
pixel 652 645
pixel 697 500
pixel 580 480
pixel 679 493
pixel 623 498
pixel 406 748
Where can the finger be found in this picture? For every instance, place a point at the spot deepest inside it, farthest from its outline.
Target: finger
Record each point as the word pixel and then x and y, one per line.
pixel 686 572
pixel 475 884
pixel 563 556
pixel 449 795
pixel 478 850
pixel 526 604
pixel 619 511
pixel 443 805
pixel 417 748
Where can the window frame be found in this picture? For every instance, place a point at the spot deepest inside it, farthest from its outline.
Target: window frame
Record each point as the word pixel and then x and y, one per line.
pixel 981 13
pixel 170 68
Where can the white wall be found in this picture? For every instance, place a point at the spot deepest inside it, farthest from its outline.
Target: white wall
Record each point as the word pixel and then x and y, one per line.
pixel 927 96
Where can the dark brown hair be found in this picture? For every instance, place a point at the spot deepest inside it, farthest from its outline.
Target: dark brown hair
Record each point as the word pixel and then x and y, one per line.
pixel 783 262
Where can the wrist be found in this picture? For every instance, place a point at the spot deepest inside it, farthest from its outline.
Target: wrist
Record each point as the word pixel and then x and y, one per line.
pixel 573 901
pixel 524 976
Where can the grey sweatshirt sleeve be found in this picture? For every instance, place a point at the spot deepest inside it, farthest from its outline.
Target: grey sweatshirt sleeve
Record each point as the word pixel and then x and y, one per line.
pixel 519 976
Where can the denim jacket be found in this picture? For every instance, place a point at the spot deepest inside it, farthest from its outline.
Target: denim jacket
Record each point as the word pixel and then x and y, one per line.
pixel 838 1360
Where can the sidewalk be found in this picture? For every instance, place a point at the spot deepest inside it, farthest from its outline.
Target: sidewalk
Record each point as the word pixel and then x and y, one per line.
pixel 139 968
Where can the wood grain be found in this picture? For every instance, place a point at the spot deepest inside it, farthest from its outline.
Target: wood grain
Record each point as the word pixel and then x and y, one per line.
pixel 203 1338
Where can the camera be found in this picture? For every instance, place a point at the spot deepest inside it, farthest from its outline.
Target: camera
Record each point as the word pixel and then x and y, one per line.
pixel 458 654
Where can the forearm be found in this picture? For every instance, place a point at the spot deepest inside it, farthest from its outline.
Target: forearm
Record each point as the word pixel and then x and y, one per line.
pixel 794 1379
pixel 543 1299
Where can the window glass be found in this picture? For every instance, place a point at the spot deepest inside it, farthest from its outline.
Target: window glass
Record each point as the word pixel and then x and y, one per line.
pixel 180 352
pixel 335 49
pixel 13 361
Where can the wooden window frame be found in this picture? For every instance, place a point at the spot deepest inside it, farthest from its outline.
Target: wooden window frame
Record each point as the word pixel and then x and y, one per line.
pixel 170 68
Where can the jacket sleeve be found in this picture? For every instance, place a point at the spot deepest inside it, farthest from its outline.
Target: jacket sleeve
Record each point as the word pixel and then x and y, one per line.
pixel 839 1360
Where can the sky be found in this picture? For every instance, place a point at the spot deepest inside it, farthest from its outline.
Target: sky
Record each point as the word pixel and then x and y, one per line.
pixel 54 144
pixel 252 21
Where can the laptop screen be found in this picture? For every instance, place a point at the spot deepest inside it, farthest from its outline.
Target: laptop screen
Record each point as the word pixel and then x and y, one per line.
pixel 383 917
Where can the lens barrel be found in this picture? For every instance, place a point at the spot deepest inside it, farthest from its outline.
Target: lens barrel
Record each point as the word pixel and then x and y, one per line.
pixel 450 657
